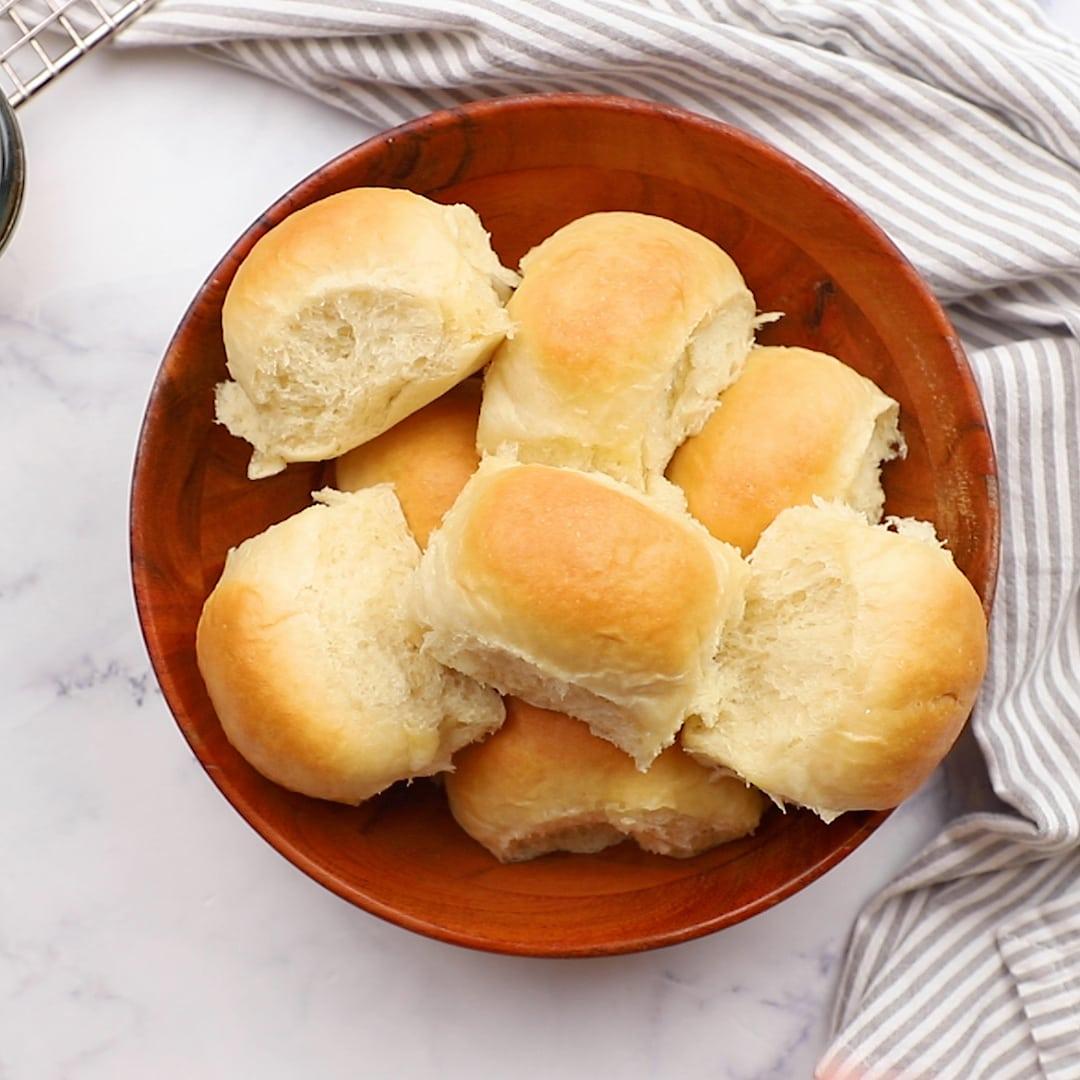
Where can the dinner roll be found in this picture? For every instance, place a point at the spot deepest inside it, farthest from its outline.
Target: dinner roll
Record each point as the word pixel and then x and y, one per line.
pixel 855 667
pixel 427 457
pixel 580 594
pixel 313 662
pixel 797 424
pixel 628 326
pixel 351 314
pixel 543 783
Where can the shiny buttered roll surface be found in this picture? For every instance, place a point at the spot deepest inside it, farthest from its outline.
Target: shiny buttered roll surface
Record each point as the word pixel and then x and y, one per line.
pixel 579 594
pixel 627 327
pixel 543 782
pixel 855 667
pixel 312 658
pixel 350 315
pixel 796 425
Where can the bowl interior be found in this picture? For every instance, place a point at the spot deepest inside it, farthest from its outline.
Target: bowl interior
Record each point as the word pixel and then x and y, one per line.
pixel 529 166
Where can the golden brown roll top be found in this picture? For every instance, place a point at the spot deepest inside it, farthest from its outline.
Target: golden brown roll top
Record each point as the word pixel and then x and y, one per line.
pixel 797 424
pixel 351 314
pixel 627 327
pixel 855 667
pixel 579 594
pixel 428 457
pixel 544 783
pixel 312 658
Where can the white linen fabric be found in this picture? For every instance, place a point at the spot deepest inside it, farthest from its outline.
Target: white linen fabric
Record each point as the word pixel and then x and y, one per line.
pixel 956 125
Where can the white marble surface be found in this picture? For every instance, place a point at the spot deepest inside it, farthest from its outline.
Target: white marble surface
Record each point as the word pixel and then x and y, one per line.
pixel 145 930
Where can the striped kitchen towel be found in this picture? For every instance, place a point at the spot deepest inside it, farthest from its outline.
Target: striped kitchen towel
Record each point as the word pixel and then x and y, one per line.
pixel 956 124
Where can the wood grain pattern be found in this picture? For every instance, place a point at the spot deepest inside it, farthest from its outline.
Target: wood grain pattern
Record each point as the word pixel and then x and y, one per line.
pixel 528 166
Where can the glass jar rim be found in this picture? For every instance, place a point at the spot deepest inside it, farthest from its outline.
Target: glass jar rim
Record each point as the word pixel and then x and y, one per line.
pixel 12 170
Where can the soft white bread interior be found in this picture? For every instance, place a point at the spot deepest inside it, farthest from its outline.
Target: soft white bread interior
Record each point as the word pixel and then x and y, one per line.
pixel 796 424
pixel 351 314
pixel 313 662
pixel 544 783
pixel 428 457
pixel 579 594
pixel 628 326
pixel 855 667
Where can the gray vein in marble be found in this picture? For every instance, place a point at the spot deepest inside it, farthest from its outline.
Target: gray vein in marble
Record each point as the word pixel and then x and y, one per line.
pixel 89 674
pixel 13 587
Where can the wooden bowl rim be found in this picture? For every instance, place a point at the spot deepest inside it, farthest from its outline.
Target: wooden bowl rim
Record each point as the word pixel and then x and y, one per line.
pixel 143 471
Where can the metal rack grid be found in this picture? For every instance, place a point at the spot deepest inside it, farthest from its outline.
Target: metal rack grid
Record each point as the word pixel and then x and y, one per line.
pixel 40 38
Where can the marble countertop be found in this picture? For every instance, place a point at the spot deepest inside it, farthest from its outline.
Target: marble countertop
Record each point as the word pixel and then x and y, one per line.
pixel 145 930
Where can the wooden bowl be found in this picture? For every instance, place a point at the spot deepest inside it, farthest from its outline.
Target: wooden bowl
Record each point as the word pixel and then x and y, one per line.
pixel 528 166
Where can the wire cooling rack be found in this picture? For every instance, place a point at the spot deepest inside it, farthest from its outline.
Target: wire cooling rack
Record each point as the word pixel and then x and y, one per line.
pixel 40 38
